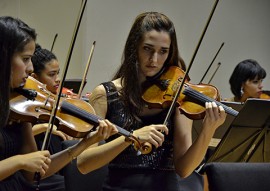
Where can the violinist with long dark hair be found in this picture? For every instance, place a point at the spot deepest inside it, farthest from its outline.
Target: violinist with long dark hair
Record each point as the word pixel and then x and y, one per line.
pixel 19 157
pixel 151 46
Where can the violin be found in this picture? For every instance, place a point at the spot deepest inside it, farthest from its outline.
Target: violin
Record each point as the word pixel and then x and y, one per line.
pixel 265 95
pixel 74 117
pixel 39 107
pixel 192 98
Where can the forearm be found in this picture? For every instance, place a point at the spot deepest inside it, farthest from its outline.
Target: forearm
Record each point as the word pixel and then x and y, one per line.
pixel 96 157
pixel 38 128
pixel 195 154
pixel 62 158
pixel 9 166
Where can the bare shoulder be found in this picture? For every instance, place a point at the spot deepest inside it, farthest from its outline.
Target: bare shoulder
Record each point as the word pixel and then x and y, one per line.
pixel 97 93
pixel 117 84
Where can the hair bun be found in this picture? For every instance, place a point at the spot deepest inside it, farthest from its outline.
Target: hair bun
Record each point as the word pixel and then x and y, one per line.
pixel 38 47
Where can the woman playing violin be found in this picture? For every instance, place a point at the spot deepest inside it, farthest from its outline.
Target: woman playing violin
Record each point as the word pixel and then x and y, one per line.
pixel 46 70
pixel 19 158
pixel 246 81
pixel 151 45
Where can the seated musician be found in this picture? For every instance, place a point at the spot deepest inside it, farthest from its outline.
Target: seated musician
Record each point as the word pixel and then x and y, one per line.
pixel 246 81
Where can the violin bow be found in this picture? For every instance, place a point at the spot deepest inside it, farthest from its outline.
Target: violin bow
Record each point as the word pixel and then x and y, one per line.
pixel 55 37
pixel 189 66
pixel 59 90
pixel 47 137
pixel 211 63
pixel 218 65
pixel 86 69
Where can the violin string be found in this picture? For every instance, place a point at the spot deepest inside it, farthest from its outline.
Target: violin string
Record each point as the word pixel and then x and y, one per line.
pixel 207 99
pixel 201 97
pixel 89 116
pixel 204 98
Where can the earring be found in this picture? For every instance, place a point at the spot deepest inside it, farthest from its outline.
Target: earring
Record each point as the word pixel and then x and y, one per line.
pixel 241 91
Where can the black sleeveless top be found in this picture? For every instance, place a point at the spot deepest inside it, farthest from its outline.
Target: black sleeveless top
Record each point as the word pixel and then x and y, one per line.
pixel 160 158
pixel 11 141
pixel 10 145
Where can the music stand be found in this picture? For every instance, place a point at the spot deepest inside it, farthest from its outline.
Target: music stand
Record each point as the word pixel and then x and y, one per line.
pixel 248 137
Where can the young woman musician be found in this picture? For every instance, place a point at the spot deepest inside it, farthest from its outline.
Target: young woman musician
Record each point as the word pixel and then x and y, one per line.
pixel 151 47
pixel 46 71
pixel 19 158
pixel 246 81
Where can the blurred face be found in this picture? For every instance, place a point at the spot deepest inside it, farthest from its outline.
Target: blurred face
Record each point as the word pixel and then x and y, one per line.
pixel 21 65
pixel 252 88
pixel 49 76
pixel 153 52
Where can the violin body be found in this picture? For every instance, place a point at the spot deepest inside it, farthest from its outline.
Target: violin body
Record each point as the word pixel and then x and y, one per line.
pixel 74 117
pixel 39 110
pixel 191 100
pixel 265 95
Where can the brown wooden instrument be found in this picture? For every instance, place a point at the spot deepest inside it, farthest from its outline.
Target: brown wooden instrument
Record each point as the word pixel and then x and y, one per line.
pixel 192 98
pixel 74 117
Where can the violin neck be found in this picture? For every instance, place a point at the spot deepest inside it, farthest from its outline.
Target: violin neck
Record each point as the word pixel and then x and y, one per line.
pixel 88 117
pixel 28 93
pixel 202 99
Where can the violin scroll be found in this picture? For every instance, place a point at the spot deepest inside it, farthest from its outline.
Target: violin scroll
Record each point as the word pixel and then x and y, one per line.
pixel 141 148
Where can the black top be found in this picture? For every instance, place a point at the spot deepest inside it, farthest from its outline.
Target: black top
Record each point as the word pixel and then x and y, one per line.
pixel 160 158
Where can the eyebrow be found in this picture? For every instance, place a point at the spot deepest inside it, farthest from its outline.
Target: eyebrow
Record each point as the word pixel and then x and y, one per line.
pixel 164 48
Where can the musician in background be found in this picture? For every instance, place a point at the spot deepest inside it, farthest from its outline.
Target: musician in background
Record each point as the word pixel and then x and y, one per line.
pixel 46 70
pixel 151 47
pixel 246 81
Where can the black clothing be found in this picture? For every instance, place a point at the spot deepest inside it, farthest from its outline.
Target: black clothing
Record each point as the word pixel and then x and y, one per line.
pixel 10 145
pixel 127 171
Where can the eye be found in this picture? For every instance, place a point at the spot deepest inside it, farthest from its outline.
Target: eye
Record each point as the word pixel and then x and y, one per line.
pixel 52 74
pixel 147 48
pixel 257 81
pixel 164 51
pixel 26 59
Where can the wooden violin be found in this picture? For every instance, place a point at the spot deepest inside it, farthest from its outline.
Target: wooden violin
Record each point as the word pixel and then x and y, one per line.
pixel 265 95
pixel 74 117
pixel 192 98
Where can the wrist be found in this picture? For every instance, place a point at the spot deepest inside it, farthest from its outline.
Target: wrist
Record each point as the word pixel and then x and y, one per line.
pixel 71 153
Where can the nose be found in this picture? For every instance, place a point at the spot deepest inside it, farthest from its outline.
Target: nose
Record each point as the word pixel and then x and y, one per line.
pixel 29 69
pixel 154 57
pixel 57 80
pixel 260 85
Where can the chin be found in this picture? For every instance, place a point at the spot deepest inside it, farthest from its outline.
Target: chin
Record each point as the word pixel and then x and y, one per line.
pixel 151 74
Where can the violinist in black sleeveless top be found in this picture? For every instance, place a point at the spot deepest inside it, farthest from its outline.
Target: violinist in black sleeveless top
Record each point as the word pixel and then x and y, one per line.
pixel 151 46
pixel 19 157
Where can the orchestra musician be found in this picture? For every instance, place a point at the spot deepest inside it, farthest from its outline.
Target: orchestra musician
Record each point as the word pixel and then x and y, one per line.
pixel 46 70
pixel 151 46
pixel 246 81
pixel 19 157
